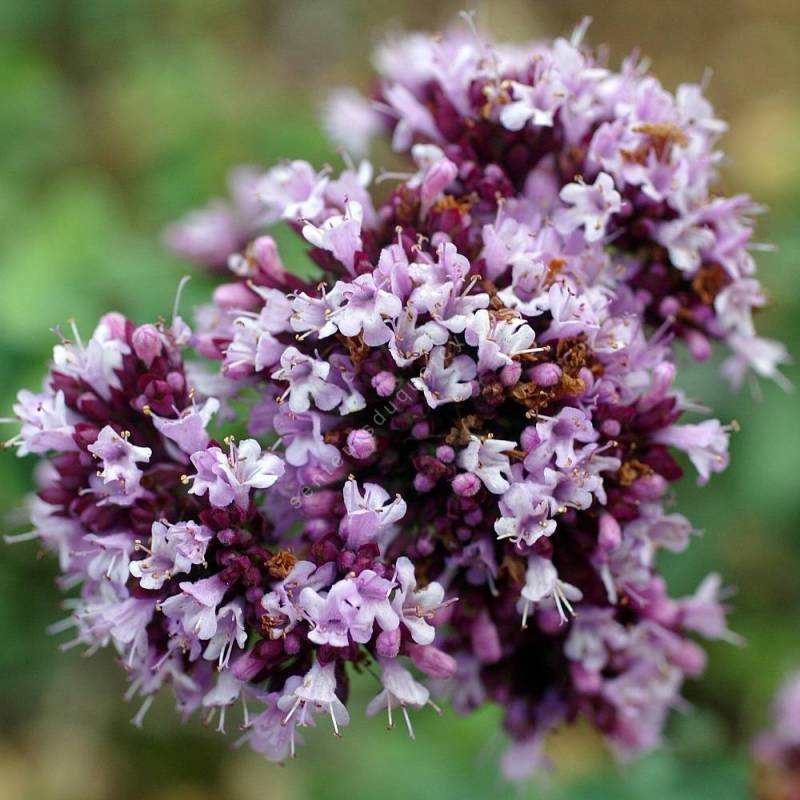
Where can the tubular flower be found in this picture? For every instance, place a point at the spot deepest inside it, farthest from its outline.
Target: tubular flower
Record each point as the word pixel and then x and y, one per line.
pixel 462 431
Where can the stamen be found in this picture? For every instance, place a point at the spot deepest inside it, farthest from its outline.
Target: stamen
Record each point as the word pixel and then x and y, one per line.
pixel 408 721
pixel 16 538
pixel 333 719
pixel 178 294
pixel 144 708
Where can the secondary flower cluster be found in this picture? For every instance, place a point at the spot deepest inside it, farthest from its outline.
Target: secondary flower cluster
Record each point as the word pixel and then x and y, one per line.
pixel 460 436
pixel 777 751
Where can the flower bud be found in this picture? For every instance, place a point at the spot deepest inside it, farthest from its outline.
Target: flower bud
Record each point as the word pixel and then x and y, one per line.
pixel 237 296
pixel 610 534
pixel 485 639
pixel 546 375
pixel 431 660
pixel 384 383
pixel 466 484
pixel 147 343
pixel 361 444
pixel 387 645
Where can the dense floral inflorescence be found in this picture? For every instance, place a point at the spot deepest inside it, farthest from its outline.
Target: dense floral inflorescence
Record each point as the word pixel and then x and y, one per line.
pixel 460 436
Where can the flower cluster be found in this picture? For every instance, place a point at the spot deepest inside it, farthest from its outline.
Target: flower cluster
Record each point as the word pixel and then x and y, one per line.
pixel 460 435
pixel 777 751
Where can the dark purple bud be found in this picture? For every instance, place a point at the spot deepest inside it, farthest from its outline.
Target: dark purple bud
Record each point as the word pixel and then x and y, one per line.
pixel 421 429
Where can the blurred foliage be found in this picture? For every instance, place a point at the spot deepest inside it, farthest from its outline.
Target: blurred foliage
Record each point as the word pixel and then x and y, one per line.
pixel 118 115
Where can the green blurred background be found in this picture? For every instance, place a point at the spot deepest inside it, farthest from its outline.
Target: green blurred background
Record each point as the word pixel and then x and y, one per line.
pixel 118 115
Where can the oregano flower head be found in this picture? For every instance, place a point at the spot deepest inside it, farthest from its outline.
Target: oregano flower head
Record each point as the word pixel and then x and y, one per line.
pixel 457 440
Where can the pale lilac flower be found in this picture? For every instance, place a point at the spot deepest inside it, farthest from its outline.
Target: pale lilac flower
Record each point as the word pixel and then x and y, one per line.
pixel 230 478
pixel 399 690
pixel 95 363
pixel 292 191
pixel 314 693
pixel 706 444
pixel 704 611
pixel 415 606
pixel 282 603
pixel 339 234
pixel 109 556
pixel 542 584
pixel 207 235
pixel 591 207
pixel 762 356
pixel 230 633
pixel 411 341
pixel 313 314
pixel 225 692
pixel 308 380
pixel 269 736
pixel 188 430
pixel 350 608
pixel 303 438
pixel 535 104
pixel 498 341
pixel 364 308
pixel 195 608
pixel 119 463
pixel 255 345
pixel 350 120
pixel 560 435
pixel 441 384
pixel 527 509
pixel 412 117
pixel 487 459
pixel 369 517
pixel 173 549
pixel 685 240
pixel 334 617
pixel 45 423
pixel 594 637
